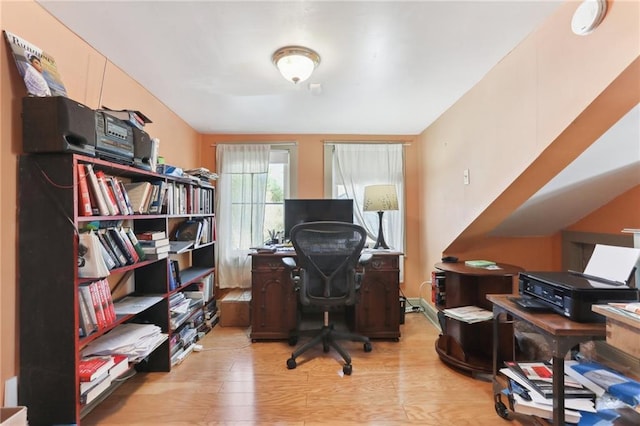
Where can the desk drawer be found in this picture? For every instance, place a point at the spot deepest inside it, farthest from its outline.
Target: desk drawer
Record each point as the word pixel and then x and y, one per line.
pixel 267 263
pixel 384 263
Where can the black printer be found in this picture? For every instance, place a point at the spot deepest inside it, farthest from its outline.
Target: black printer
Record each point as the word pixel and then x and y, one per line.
pixel 571 293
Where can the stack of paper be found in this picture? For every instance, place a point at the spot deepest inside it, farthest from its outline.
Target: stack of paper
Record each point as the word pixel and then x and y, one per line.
pixel 469 314
pixel 134 340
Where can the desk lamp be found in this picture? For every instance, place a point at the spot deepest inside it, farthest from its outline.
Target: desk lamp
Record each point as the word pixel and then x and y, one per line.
pixel 380 198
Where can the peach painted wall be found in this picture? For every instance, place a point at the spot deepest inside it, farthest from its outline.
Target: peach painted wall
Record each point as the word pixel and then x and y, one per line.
pixel 311 181
pixel 622 212
pixel 529 117
pixel 87 76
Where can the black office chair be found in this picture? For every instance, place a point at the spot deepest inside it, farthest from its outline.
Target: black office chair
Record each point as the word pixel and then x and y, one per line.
pixel 326 277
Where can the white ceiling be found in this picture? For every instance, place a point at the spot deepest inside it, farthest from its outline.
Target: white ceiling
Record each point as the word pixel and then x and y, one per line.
pixel 386 68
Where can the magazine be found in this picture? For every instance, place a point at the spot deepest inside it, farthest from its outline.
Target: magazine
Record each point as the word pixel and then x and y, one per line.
pixel 37 68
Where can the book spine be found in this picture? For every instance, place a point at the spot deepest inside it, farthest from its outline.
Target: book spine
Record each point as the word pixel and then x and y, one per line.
pixel 85 294
pixel 110 307
pixel 125 195
pixel 84 201
pixel 97 306
pixel 136 244
pixel 115 189
pixel 117 238
pixel 96 190
pixel 130 247
pixel 107 194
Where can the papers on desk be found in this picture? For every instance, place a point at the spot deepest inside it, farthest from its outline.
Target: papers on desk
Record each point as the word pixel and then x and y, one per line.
pixel 134 340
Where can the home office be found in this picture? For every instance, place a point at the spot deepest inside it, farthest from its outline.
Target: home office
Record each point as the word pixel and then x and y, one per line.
pixel 523 123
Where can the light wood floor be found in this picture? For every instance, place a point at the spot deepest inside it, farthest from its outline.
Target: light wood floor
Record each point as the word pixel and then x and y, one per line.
pixel 236 382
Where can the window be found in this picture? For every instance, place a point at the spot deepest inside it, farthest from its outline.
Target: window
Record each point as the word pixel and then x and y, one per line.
pixel 278 188
pixel 254 180
pixel 345 177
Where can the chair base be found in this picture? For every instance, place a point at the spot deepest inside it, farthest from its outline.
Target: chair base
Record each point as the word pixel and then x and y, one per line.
pixel 329 338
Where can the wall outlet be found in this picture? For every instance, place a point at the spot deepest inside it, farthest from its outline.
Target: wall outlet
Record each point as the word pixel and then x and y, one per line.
pixel 466 176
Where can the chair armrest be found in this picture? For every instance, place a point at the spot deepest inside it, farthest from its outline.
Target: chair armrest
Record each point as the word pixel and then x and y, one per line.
pixel 289 262
pixel 365 258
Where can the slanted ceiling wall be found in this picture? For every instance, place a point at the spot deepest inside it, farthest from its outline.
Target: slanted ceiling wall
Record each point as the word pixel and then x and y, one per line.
pixel 535 112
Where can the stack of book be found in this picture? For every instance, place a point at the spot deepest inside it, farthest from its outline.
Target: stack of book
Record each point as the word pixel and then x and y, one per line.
pixel 154 244
pixel 531 391
pixel 97 311
pixel 94 377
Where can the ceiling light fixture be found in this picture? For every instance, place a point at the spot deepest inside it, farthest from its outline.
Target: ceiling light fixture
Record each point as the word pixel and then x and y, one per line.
pixel 295 63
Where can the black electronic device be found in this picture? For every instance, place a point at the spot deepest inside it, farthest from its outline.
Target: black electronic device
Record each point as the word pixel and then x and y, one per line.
pixel 114 138
pixel 572 295
pixel 142 149
pixel 57 124
pixel 316 210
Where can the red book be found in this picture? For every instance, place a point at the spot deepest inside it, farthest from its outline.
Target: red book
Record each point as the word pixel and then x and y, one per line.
pixel 109 197
pixel 121 366
pixel 84 201
pixel 151 235
pixel 93 367
pixel 97 305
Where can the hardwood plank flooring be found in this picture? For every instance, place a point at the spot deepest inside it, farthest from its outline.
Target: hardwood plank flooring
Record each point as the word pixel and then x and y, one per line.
pixel 235 382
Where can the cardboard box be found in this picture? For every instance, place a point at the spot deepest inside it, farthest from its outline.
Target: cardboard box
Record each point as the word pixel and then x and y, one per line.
pixel 235 309
pixel 13 416
pixel 623 331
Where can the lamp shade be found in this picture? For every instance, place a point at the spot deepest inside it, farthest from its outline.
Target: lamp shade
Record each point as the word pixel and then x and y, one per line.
pixel 380 198
pixel 295 63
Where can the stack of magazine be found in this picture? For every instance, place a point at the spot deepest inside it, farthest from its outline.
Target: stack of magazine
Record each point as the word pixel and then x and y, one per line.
pixel 469 314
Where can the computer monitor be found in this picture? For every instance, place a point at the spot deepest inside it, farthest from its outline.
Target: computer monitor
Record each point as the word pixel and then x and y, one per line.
pixel 314 210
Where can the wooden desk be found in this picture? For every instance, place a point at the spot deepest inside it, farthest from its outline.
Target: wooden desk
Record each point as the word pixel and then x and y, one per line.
pixel 561 333
pixel 274 303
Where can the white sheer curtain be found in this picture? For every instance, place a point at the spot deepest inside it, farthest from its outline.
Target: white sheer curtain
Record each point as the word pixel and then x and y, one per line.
pixel 242 184
pixel 358 165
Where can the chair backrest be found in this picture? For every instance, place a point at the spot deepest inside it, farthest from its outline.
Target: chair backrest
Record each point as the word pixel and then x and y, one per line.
pixel 328 254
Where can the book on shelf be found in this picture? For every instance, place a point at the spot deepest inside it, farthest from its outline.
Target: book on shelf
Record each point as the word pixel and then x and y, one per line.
pixel 157 256
pixel 539 375
pixel 88 322
pixel 120 366
pixel 86 386
pixel 180 246
pixel 96 390
pixel 155 249
pixel 136 243
pixel 129 244
pixel 96 190
pixel 109 238
pixel 114 187
pixel 84 292
pixel 479 263
pixel 151 235
pixel 107 244
pixel 84 200
pixel 90 368
pixel 154 243
pixel 614 383
pixel 139 196
pixel 108 196
pixel 122 245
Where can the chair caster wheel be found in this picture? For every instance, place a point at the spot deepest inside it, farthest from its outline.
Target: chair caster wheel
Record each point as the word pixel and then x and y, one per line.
pixel 347 369
pixel 291 363
pixel 325 347
pixel 293 340
pixel 367 347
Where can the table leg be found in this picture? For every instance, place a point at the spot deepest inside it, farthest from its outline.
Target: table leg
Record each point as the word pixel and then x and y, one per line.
pixel 558 390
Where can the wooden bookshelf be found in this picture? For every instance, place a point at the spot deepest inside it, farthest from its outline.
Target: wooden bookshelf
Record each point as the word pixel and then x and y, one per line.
pixel 49 223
